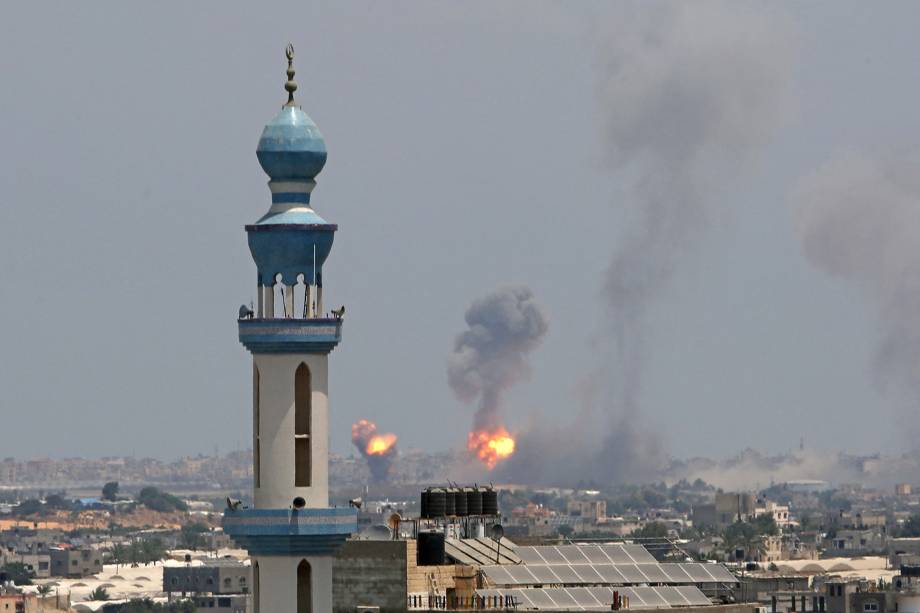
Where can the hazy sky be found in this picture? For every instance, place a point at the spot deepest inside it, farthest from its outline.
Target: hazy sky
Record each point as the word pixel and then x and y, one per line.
pixel 468 148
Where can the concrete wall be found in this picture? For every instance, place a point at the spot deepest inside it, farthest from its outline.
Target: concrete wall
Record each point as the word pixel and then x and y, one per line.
pixel 370 573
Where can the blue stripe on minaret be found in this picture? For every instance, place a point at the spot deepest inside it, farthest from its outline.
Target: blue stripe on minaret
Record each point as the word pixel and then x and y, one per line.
pixel 301 197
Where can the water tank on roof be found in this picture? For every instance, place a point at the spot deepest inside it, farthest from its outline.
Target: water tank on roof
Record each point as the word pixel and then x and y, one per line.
pixel 430 548
pixel 474 501
pixel 489 502
pixel 450 503
pixel 460 508
pixel 437 503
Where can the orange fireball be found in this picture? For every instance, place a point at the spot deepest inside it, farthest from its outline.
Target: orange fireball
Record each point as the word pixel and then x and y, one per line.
pixel 490 446
pixel 380 444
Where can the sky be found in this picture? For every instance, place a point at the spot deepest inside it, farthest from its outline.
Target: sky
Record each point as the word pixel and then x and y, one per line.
pixel 471 146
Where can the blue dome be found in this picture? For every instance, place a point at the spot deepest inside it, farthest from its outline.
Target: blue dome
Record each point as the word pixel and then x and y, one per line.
pixel 291 147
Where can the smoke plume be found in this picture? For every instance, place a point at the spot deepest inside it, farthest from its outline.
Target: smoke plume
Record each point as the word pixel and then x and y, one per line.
pixel 859 219
pixel 379 450
pixel 690 94
pixel 490 356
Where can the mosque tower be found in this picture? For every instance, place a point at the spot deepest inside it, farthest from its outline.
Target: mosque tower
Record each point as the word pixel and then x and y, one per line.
pixel 291 533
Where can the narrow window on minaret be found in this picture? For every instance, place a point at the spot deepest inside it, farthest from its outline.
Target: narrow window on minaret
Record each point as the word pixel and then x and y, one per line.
pixel 255 587
pixel 256 428
pixel 302 417
pixel 304 604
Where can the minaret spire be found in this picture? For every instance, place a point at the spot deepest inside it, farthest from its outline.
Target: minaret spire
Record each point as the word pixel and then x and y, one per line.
pixel 291 85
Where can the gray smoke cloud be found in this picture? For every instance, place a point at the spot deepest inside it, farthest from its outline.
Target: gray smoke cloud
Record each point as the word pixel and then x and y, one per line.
pixel 690 94
pixel 859 219
pixel 491 354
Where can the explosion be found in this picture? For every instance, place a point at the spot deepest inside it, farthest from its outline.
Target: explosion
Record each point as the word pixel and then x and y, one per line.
pixel 490 447
pixel 379 450
pixel 380 444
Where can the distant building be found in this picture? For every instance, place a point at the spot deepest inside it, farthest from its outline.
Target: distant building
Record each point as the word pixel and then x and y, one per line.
pixel 219 577
pixel 75 562
pixel 903 489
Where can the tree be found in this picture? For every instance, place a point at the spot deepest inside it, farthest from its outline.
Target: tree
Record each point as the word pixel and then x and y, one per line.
pixel 191 536
pixel 100 593
pixel 110 491
pixel 32 506
pixel 911 526
pixel 155 500
pixel 44 589
pixel 17 572
pixel 565 531
pixel 654 529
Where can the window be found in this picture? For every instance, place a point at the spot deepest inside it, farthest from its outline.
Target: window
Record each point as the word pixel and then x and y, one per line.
pixel 175 581
pixel 870 606
pixel 304 604
pixel 255 588
pixel 302 419
pixel 256 426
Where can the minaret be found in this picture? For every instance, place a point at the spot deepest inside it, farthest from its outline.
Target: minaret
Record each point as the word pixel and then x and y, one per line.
pixel 291 533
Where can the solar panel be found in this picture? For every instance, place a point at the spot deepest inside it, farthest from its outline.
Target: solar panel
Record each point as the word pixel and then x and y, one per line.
pixel 631 573
pixel 635 597
pixel 588 574
pixel 720 573
pixel 567 574
pixel 604 595
pixel 520 598
pixel 540 599
pixel 610 574
pixel 617 554
pixel 676 573
pixel 573 554
pixel 651 596
pixel 498 575
pixel 551 555
pixel 544 574
pixel 530 555
pixel 639 554
pixel 585 598
pixel 520 575
pixel 654 573
pixel 698 573
pixel 563 599
pixel 595 554
pixel 693 595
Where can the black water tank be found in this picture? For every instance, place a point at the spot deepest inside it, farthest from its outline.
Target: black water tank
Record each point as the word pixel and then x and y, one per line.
pixel 460 503
pixel 489 502
pixel 474 501
pixel 430 548
pixel 450 500
pixel 437 503
pixel 423 513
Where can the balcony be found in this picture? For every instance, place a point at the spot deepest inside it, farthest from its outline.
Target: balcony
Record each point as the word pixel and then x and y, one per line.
pixel 316 335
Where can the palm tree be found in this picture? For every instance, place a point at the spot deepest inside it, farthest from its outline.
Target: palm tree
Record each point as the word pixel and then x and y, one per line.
pixel 99 593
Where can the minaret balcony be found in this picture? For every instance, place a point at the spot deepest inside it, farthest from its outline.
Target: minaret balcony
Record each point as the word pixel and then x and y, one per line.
pixel 290 531
pixel 290 335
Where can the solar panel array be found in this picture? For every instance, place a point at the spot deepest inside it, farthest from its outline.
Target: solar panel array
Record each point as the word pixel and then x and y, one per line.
pixel 598 598
pixel 607 574
pixel 586 554
pixel 600 565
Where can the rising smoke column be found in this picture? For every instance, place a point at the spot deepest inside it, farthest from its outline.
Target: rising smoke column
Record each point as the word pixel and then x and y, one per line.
pixel 379 450
pixel 859 219
pixel 489 357
pixel 690 94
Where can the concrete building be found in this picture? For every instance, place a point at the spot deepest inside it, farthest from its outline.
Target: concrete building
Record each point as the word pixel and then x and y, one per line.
pixel 214 577
pixel 291 533
pixel 83 562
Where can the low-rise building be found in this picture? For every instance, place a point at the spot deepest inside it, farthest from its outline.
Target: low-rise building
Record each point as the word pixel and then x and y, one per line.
pixel 82 562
